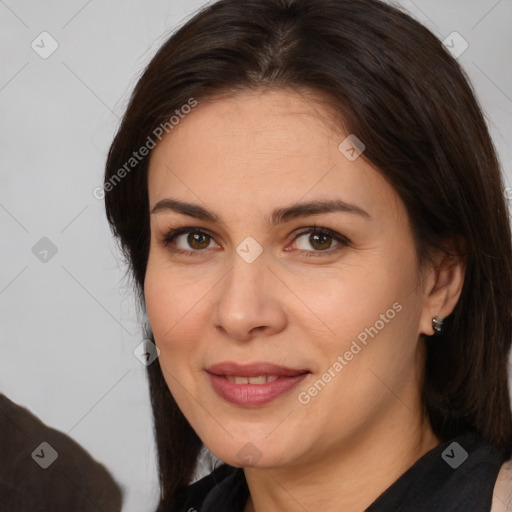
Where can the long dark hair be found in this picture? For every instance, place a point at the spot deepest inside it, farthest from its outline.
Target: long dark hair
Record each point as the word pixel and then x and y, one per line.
pixel 394 85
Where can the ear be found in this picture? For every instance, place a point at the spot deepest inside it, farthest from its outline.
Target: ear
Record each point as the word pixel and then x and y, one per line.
pixel 442 288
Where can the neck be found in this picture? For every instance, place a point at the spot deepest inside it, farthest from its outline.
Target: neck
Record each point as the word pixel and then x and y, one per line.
pixel 349 476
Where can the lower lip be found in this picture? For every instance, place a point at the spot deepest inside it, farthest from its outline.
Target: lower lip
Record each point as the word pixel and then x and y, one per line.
pixel 253 395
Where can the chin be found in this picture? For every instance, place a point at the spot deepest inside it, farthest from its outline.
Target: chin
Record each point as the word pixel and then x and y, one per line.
pixel 251 451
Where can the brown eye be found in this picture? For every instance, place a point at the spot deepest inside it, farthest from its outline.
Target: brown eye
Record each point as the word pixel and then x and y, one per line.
pixel 321 240
pixel 192 240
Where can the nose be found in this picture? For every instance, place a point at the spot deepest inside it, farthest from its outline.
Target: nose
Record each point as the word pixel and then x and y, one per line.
pixel 248 301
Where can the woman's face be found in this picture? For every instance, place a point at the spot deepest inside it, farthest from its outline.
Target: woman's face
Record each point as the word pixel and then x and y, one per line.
pixel 326 325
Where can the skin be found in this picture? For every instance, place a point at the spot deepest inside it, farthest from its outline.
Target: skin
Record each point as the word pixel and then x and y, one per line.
pixel 241 157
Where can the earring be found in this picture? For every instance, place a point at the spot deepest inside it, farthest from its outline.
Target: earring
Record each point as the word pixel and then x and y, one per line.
pixel 437 324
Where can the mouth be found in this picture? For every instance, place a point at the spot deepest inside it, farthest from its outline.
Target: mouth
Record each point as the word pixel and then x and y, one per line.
pixel 255 384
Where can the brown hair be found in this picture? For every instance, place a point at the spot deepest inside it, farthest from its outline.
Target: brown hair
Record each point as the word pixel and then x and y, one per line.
pixel 398 89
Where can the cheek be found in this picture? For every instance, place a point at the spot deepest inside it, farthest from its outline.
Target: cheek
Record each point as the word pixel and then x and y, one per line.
pixel 176 306
pixel 366 327
pixel 355 300
pixel 167 305
pixel 169 298
pixel 365 366
pixel 158 293
pixel 171 315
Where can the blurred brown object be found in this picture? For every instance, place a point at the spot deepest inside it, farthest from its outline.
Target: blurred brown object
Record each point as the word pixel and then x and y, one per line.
pixel 72 481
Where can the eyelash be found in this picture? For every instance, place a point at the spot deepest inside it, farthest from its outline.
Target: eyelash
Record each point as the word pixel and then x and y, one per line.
pixel 342 240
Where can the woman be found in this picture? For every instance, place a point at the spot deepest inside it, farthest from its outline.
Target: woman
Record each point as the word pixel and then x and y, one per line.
pixel 313 214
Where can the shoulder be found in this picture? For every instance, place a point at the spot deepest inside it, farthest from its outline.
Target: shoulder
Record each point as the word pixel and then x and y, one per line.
pixel 502 494
pixel 25 486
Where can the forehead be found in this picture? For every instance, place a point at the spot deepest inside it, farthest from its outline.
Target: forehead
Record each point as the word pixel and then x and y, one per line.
pixel 269 146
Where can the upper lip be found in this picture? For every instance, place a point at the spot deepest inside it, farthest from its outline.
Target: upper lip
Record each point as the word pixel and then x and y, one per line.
pixel 253 369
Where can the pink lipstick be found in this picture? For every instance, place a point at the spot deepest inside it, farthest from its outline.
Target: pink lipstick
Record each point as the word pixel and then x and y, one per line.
pixel 255 384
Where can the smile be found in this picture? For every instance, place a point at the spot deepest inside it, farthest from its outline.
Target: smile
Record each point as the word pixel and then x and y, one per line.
pixel 255 384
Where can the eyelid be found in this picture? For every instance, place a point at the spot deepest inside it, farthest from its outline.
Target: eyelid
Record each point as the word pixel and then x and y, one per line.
pixel 342 240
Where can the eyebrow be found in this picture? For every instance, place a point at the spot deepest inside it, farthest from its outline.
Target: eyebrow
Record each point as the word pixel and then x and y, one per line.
pixel 278 216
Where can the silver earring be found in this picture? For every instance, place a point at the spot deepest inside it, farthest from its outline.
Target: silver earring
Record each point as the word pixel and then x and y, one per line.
pixel 437 324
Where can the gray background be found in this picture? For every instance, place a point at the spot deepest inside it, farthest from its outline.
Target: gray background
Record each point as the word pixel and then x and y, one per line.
pixel 68 325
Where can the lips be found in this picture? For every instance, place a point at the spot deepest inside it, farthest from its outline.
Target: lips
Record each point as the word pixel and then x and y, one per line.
pixel 253 384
